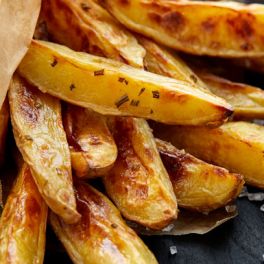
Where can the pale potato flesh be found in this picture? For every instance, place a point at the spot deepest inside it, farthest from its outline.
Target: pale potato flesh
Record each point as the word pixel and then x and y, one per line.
pixel 225 29
pixel 138 183
pixel 101 236
pixel 4 117
pixel 110 87
pixel 237 146
pixel 23 223
pixel 92 147
pixel 198 186
pixel 38 131
pixel 83 25
pixel 247 101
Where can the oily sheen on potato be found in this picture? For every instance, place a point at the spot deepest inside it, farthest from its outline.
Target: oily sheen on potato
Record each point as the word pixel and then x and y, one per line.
pixel 40 137
pixel 110 87
pixel 101 236
pixel 225 29
pixel 237 146
pixel 23 222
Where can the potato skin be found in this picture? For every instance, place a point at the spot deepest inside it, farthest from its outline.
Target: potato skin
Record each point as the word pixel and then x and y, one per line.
pixel 217 29
pixel 198 186
pixel 138 183
pixel 247 101
pixel 164 62
pixel 4 118
pixel 117 89
pixel 237 146
pixel 92 147
pixel 38 131
pixel 83 25
pixel 101 236
pixel 23 223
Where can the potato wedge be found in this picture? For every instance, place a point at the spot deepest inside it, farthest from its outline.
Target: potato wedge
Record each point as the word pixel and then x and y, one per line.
pixel 102 235
pixel 92 147
pixel 39 135
pixel 198 186
pixel 23 223
pixel 217 29
pixel 162 61
pixel 138 183
pixel 247 101
pixel 110 87
pixel 237 146
pixel 4 118
pixel 84 25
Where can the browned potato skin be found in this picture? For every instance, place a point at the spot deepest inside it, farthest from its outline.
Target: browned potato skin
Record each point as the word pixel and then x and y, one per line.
pixel 23 223
pixel 83 25
pixel 198 186
pixel 92 147
pixel 101 236
pixel 218 29
pixel 138 183
pixel 237 146
pixel 248 101
pixel 4 117
pixel 38 131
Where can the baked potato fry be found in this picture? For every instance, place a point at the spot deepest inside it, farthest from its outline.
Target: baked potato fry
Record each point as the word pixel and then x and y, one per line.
pixel 38 131
pixel 225 29
pixel 4 118
pixel 162 61
pixel 247 101
pixel 138 183
pixel 92 147
pixel 23 223
pixel 83 25
pixel 101 236
pixel 237 146
pixel 198 186
pixel 113 88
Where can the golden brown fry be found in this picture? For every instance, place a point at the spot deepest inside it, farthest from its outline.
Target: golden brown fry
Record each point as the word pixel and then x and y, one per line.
pixel 247 101
pixel 198 186
pixel 93 150
pixel 39 135
pixel 204 28
pixel 101 236
pixel 4 117
pixel 237 146
pixel 83 25
pixel 138 183
pixel 23 223
pixel 110 87
pixel 161 61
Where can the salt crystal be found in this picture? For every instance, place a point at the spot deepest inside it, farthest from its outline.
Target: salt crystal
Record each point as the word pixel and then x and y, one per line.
pixel 230 208
pixel 173 250
pixel 256 197
pixel 244 192
pixel 262 208
pixel 168 228
pixel 262 257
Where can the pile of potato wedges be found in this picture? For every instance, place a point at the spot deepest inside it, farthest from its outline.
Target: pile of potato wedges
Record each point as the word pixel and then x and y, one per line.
pixel 106 94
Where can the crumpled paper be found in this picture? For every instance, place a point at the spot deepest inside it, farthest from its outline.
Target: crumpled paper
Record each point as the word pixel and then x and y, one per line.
pixel 18 19
pixel 191 223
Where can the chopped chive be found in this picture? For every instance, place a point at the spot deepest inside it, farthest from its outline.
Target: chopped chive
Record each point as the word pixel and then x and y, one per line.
pixel 85 7
pixel 194 78
pixel 141 91
pixel 151 111
pixel 123 99
pixel 54 63
pixel 99 72
pixel 123 80
pixel 156 94
pixel 134 102
pixel 72 86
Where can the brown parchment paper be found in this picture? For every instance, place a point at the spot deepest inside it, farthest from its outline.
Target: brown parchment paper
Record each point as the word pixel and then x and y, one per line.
pixel 18 19
pixel 191 223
